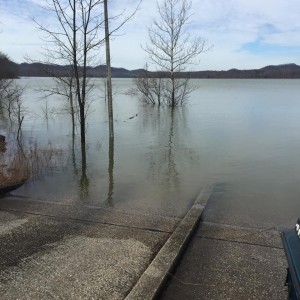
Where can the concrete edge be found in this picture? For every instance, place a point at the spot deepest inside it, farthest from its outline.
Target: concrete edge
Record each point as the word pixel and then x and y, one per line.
pixel 152 280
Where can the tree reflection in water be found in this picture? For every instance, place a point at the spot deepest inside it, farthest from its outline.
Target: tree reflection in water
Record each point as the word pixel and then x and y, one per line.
pixel 173 175
pixel 166 124
pixel 109 200
pixel 84 181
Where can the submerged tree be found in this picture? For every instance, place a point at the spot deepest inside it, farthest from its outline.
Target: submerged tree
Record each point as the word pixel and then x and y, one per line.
pixel 65 87
pixel 10 96
pixel 11 104
pixel 150 86
pixel 171 48
pixel 73 42
pixel 76 42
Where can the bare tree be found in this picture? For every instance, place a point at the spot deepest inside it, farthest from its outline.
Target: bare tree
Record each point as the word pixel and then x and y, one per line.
pixel 73 43
pixel 65 87
pixel 10 93
pixel 11 103
pixel 171 48
pixel 76 42
pixel 19 112
pixel 150 86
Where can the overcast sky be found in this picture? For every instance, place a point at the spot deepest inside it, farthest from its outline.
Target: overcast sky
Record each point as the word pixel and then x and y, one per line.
pixel 244 33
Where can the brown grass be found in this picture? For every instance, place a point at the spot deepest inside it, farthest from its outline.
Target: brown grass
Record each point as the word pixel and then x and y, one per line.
pixel 18 165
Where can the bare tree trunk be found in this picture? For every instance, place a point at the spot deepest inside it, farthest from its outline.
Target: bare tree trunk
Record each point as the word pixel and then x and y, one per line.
pixel 108 74
pixel 78 91
pixel 173 104
pixel 19 127
pixel 72 110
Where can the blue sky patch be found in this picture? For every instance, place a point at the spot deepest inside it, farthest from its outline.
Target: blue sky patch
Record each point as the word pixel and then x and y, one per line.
pixel 267 29
pixel 261 48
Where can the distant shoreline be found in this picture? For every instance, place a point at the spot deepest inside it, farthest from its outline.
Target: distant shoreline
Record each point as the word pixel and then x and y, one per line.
pixel 286 71
pixel 269 78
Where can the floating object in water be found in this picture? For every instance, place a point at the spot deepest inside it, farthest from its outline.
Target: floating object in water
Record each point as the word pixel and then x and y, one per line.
pixel 133 117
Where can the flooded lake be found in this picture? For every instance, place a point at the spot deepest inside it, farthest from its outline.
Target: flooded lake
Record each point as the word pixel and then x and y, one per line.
pixel 242 136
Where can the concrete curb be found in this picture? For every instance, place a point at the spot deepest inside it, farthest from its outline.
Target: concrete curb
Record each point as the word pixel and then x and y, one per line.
pixel 150 283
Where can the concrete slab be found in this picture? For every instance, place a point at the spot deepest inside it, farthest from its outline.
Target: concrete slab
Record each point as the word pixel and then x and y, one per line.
pixel 9 221
pixel 230 263
pixel 155 276
pixel 264 236
pixel 55 251
pixel 89 213
pixel 46 258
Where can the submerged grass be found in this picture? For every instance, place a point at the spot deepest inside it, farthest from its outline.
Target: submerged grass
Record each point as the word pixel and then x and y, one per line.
pixel 20 163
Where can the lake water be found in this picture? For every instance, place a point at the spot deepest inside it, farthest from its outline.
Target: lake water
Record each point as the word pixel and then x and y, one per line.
pixel 242 136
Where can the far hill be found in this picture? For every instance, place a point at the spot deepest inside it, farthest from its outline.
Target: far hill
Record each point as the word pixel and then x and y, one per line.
pixel 279 71
pixel 46 70
pixel 8 69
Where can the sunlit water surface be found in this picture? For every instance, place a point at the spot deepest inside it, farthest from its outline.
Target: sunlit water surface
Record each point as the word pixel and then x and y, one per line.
pixel 242 136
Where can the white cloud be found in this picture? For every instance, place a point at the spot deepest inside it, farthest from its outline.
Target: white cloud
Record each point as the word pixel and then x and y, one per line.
pixel 228 25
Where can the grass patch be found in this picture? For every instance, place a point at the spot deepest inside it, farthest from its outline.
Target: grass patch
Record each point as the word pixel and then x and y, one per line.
pixel 21 163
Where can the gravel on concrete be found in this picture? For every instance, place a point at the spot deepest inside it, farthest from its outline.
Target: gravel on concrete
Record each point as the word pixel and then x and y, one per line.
pixel 53 258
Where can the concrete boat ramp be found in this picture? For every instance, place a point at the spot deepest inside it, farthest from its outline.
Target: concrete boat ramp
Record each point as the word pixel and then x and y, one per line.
pixel 52 251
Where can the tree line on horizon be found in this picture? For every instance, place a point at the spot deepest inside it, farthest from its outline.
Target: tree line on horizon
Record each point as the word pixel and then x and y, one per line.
pixel 43 70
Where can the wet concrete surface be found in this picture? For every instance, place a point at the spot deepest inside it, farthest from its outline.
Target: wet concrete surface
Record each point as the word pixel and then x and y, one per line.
pixel 232 255
pixel 52 250
pixel 65 211
pixel 154 278
pixel 230 262
pixel 58 252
